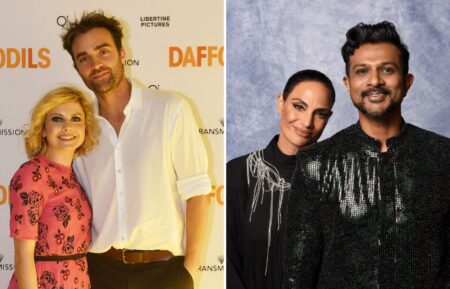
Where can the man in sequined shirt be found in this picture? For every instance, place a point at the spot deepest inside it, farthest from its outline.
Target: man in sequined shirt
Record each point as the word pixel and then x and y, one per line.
pixel 369 207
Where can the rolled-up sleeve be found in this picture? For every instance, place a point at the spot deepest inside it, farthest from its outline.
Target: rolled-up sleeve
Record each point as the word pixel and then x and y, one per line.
pixel 189 156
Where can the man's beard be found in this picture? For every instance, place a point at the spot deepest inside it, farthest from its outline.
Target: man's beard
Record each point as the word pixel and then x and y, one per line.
pixel 378 113
pixel 105 85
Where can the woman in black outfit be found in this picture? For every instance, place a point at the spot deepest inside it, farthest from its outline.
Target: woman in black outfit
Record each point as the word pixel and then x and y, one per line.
pixel 258 184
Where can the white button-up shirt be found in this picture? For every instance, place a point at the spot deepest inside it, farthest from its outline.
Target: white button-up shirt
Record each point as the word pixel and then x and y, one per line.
pixel 138 182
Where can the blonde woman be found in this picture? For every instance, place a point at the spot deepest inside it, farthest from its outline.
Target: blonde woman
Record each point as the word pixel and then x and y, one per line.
pixel 50 213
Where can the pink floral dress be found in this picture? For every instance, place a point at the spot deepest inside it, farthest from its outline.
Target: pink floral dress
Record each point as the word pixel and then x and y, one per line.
pixel 48 205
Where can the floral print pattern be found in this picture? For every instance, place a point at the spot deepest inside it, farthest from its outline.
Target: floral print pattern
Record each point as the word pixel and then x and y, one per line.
pixel 62 214
pixel 48 205
pixel 47 280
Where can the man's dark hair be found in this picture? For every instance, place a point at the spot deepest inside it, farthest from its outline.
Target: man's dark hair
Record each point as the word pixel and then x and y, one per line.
pixel 88 21
pixel 309 75
pixel 383 32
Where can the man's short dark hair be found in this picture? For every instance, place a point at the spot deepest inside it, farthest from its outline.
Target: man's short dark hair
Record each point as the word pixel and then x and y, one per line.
pixel 88 21
pixel 309 75
pixel 383 32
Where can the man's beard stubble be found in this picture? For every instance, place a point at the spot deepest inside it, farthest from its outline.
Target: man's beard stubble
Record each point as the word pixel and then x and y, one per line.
pixel 106 85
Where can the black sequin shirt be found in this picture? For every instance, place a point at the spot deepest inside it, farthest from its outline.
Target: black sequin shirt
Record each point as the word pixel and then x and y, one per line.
pixel 359 218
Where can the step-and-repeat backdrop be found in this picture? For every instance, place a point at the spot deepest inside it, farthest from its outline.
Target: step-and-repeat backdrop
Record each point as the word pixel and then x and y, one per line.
pixel 171 45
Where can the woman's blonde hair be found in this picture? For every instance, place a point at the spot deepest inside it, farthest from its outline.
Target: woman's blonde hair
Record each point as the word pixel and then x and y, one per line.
pixel 35 144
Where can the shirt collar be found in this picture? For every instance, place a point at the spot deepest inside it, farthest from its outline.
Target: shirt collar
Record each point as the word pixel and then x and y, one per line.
pixel 135 102
pixel 278 156
pixel 392 142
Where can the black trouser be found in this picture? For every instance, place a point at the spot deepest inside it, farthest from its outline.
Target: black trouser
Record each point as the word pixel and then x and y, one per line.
pixel 108 273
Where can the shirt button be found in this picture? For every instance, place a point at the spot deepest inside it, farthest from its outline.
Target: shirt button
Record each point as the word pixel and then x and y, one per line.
pixel 119 171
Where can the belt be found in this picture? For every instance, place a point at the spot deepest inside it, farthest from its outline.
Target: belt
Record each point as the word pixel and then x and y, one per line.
pixel 60 257
pixel 138 256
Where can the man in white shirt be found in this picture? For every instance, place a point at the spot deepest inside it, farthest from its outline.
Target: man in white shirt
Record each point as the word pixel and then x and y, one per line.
pixel 147 179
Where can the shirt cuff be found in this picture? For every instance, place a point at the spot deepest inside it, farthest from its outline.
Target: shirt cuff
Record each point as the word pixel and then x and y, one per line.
pixel 194 186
